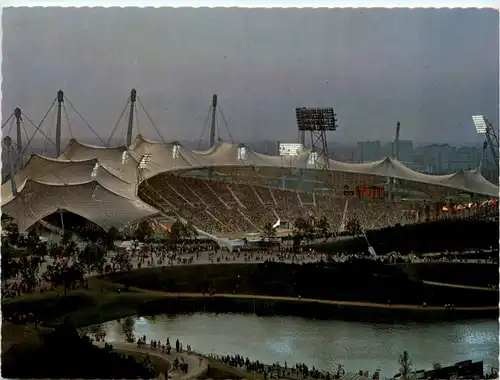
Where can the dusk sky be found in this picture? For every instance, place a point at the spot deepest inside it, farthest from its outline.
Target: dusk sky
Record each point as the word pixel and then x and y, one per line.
pixel 430 69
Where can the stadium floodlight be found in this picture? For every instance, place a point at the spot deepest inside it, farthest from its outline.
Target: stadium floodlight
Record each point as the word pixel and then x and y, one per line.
pixel 176 151
pixel 125 155
pixel 242 152
pixel 95 169
pixel 316 119
pixel 145 159
pixel 484 127
pixel 480 123
pixel 290 149
pixel 313 157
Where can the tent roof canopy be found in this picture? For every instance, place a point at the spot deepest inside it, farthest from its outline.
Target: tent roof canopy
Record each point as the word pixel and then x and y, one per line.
pixel 115 173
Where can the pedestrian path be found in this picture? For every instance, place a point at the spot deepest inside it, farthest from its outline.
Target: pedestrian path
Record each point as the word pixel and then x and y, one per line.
pixel 484 288
pixel 330 302
pixel 197 365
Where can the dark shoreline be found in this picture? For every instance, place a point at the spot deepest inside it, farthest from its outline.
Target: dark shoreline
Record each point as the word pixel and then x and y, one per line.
pixel 299 308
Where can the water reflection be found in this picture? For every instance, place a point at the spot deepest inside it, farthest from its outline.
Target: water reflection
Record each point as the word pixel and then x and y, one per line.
pixel 321 343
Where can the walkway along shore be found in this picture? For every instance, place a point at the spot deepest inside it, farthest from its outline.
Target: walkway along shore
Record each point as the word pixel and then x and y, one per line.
pixel 327 302
pixel 483 288
pixel 196 368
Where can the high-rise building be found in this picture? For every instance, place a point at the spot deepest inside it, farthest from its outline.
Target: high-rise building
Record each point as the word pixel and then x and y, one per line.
pixel 368 151
pixel 437 158
pixel 466 158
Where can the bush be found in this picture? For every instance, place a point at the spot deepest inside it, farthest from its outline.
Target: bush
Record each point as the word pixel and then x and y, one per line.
pixel 65 354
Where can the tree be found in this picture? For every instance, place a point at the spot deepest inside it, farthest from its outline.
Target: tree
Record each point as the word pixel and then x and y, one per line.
pixel 93 257
pixel 10 266
pixel 190 230
pixel 127 325
pixel 66 238
pixel 301 225
pixel 269 233
pixel 13 233
pixel 323 227
pixel 112 235
pixel 405 366
pixel 61 274
pixel 41 249
pixel 177 233
pixel 436 365
pixel 144 230
pixel 28 270
pixel 32 241
pixel 353 227
pixel 143 253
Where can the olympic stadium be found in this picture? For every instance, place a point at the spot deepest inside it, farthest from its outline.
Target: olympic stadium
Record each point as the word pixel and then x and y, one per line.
pixel 222 191
pixel 114 187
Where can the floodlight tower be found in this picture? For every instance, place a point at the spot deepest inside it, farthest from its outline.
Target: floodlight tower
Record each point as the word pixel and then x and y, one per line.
pixel 17 114
pixel 318 121
pixel 133 98
pixel 483 157
pixel 484 127
pixel 60 100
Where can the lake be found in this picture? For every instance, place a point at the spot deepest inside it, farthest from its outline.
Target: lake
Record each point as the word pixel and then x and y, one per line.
pixel 321 343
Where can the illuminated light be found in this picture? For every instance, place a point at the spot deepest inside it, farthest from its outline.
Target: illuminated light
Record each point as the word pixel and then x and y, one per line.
pixel 176 151
pixel 313 157
pixel 242 153
pixel 144 160
pixel 316 119
pixel 95 170
pixel 287 149
pixel 124 157
pixel 480 123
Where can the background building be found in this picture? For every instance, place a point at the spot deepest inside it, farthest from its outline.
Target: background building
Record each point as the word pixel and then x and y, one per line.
pixel 368 151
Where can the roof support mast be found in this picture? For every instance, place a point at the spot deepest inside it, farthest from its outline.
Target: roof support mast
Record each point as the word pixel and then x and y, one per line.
pixel 7 141
pixel 395 155
pixel 133 98
pixel 398 126
pixel 213 125
pixel 60 100
pixel 19 139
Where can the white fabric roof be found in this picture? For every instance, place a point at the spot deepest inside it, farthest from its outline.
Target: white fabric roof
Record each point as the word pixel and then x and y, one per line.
pixel 91 200
pixel 108 196
pixel 224 155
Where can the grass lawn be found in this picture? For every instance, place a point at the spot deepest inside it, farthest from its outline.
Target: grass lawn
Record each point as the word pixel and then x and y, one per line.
pixel 16 252
pixel 100 303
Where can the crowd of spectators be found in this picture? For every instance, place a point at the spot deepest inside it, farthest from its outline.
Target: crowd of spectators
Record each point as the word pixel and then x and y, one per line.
pixel 220 207
pixel 277 370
